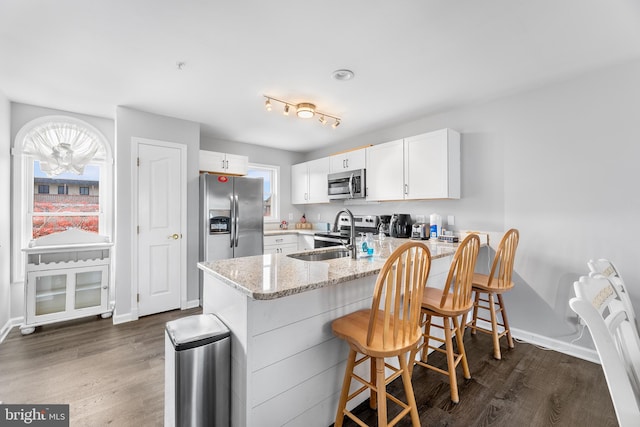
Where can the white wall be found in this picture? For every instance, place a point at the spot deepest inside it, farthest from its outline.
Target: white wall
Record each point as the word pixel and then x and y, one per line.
pixel 132 123
pixel 560 164
pixel 5 212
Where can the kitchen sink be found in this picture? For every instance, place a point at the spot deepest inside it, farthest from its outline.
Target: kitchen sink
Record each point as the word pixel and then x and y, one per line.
pixel 321 256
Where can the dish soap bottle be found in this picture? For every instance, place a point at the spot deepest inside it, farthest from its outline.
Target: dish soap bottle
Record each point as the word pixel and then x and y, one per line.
pixel 369 242
pixel 362 245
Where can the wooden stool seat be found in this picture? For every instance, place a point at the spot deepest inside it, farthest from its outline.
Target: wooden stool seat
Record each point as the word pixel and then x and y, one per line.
pixel 432 301
pixel 354 328
pixel 488 289
pixel 390 328
pixel 497 286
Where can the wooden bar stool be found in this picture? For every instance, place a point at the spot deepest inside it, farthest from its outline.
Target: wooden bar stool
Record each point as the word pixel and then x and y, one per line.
pixel 449 304
pixel 389 329
pixel 490 287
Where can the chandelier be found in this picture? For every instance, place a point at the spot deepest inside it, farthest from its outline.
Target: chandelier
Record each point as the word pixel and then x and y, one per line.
pixel 304 110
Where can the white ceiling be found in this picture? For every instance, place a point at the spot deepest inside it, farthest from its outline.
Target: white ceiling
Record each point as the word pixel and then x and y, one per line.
pixel 411 57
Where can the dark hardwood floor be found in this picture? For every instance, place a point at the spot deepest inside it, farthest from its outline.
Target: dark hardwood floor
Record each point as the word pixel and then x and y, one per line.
pixel 114 375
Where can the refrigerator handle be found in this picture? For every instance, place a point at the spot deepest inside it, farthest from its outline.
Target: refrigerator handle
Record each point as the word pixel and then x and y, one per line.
pixel 233 221
pixel 237 215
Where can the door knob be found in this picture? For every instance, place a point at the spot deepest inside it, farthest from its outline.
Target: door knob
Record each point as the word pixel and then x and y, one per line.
pixel 175 236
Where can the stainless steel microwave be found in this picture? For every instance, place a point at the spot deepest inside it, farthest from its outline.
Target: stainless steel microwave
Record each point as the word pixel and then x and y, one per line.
pixel 347 185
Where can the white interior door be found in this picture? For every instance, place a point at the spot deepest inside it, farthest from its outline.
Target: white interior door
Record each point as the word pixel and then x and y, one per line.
pixel 161 248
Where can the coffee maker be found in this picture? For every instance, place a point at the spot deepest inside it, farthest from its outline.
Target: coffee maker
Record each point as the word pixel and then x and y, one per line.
pixel 400 225
pixel 384 224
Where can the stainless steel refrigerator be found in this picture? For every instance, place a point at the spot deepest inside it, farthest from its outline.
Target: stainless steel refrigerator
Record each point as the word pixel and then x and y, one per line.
pixel 231 216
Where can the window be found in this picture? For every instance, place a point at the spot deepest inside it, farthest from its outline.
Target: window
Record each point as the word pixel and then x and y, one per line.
pixel 270 175
pixel 74 159
pixel 57 212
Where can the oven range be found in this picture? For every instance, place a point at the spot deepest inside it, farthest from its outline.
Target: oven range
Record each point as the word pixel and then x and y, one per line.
pixel 363 224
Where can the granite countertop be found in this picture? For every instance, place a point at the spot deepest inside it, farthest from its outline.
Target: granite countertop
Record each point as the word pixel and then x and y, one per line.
pixel 272 276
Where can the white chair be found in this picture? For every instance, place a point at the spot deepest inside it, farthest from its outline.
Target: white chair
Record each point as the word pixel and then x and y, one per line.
pixel 605 268
pixel 616 342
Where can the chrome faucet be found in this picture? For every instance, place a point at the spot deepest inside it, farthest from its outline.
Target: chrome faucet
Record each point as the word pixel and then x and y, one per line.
pixel 352 238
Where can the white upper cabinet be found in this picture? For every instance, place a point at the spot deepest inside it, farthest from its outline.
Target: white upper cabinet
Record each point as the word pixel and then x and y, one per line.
pixel 309 182
pixel 351 160
pixel 299 184
pixel 385 163
pixel 424 166
pixel 231 164
pixel 432 165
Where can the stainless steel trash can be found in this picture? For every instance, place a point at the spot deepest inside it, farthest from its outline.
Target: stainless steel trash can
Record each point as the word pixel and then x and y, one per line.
pixel 197 372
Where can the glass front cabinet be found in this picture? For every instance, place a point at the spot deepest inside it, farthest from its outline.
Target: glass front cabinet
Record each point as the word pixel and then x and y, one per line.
pixel 65 282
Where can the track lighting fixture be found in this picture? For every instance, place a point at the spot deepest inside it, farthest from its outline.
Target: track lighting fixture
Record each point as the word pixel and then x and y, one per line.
pixel 304 110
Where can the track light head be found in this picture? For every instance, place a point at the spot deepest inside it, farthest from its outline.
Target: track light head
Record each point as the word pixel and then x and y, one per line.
pixel 267 104
pixel 286 109
pixel 322 120
pixel 336 124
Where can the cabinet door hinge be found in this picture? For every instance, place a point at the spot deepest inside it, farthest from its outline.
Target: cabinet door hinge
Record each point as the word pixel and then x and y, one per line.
pixel 138 161
pixel 138 229
pixel 138 297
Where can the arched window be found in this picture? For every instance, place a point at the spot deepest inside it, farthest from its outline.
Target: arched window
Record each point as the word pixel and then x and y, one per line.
pixel 62 179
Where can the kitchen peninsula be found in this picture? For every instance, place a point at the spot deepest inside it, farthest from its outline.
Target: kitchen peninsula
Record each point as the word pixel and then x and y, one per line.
pixel 287 367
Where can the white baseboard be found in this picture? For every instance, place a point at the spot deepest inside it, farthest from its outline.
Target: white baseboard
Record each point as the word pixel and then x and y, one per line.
pixel 124 318
pixel 6 328
pixel 133 315
pixel 557 345
pixel 550 343
pixel 192 304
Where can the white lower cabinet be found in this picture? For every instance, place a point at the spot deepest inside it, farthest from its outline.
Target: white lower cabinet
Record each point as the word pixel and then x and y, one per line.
pixel 66 277
pixel 62 294
pixel 305 242
pixel 62 291
pixel 281 244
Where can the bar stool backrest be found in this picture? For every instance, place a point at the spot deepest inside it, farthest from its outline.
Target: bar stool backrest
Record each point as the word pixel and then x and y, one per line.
pixel 397 295
pixel 503 261
pixel 460 277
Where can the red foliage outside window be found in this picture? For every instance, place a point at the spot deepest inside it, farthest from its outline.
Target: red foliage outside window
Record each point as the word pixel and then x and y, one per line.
pixel 45 224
